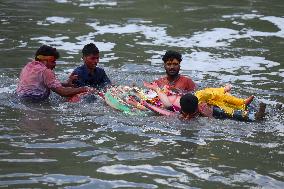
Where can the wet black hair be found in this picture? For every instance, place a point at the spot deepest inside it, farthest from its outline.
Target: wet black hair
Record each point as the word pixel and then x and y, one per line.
pixel 90 49
pixel 189 103
pixel 170 54
pixel 46 50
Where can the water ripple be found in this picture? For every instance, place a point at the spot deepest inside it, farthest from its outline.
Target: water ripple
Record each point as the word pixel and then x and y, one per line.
pixel 35 160
pixel 62 145
pixel 120 169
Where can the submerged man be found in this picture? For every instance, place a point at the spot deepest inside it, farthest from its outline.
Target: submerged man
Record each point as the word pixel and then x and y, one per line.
pixel 37 77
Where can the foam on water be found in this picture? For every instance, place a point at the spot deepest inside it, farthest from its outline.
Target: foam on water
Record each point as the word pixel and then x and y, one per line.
pixel 89 3
pixel 92 4
pixel 55 20
pixel 216 37
pixel 208 62
pixel 74 48
pixel 253 177
pixel 242 16
pixel 35 160
pixel 62 1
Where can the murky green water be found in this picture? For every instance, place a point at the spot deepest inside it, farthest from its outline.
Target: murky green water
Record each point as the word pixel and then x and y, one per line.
pixel 90 145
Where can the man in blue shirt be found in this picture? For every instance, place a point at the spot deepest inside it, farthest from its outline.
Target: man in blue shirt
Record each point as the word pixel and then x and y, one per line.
pixel 89 74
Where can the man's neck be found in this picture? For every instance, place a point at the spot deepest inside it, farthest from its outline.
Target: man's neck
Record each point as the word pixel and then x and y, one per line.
pixel 91 70
pixel 173 78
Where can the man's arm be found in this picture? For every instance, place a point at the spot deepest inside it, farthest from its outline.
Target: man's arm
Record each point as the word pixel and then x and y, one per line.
pixel 69 91
pixel 54 84
pixel 70 82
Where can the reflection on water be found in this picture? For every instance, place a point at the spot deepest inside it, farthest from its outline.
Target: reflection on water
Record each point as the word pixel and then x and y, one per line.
pixel 90 145
pixel 37 123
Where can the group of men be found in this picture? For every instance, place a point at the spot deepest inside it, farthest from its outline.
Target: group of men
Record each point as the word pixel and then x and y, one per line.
pixel 37 79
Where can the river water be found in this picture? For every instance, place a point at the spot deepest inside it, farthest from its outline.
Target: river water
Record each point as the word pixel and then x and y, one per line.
pixel 89 145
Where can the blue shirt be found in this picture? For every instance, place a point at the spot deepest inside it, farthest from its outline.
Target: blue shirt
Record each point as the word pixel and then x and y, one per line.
pixel 98 79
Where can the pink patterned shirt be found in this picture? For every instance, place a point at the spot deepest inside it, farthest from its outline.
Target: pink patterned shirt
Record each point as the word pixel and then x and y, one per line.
pixel 36 80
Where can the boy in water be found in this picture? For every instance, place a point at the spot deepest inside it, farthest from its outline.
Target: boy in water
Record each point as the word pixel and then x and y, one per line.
pixel 37 77
pixel 89 74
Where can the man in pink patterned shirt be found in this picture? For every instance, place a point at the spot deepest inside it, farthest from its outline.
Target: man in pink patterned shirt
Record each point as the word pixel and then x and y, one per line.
pixel 37 77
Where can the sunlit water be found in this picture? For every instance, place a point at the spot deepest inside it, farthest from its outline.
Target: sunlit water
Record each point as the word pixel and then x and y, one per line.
pixel 89 145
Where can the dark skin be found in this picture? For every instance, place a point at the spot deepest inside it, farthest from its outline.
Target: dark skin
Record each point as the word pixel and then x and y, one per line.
pixel 91 61
pixel 172 67
pixel 49 62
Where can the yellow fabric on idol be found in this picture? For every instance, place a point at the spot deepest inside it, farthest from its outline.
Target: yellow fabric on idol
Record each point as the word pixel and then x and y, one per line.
pixel 218 97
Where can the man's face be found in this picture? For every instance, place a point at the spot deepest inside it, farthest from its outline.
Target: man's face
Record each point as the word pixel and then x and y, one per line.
pixel 50 62
pixel 172 67
pixel 91 61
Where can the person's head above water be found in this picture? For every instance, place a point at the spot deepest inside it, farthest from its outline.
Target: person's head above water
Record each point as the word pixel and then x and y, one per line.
pixel 91 55
pixel 47 55
pixel 188 104
pixel 170 55
pixel 172 61
pixel 90 49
